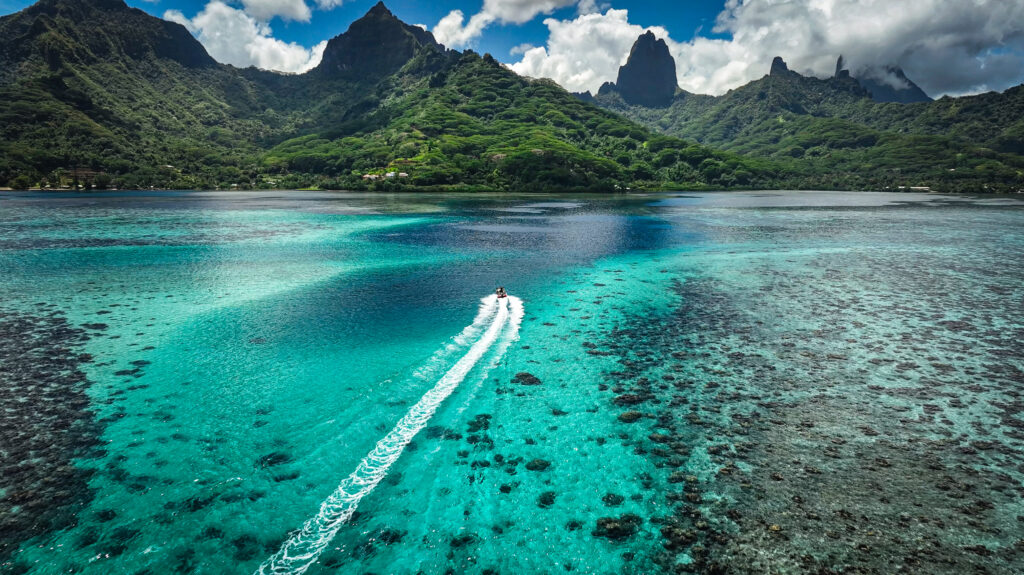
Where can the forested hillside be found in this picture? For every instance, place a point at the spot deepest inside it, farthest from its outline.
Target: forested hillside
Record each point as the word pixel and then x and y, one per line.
pixel 831 133
pixel 105 95
pixel 95 93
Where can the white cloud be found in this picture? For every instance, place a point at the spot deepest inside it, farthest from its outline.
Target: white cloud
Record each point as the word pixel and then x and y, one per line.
pixel 455 32
pixel 520 11
pixel 265 10
pixel 583 53
pixel 451 32
pixel 178 17
pixel 234 37
pixel 590 6
pixel 521 49
pixel 944 46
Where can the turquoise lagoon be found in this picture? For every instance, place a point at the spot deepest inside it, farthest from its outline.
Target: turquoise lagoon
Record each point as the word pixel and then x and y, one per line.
pixel 786 382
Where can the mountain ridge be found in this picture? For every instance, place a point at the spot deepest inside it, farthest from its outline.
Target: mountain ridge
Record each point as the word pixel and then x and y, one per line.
pixel 833 130
pixel 49 25
pixel 81 107
pixel 135 101
pixel 892 85
pixel 375 45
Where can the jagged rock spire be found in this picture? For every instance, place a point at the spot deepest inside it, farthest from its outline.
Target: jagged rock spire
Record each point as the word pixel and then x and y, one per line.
pixel 779 66
pixel 841 71
pixel 375 45
pixel 649 76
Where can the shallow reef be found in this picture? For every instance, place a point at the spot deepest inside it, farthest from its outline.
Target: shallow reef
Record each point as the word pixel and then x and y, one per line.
pixel 837 427
pixel 45 425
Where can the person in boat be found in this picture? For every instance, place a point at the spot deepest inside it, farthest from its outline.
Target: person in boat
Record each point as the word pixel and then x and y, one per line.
pixel 501 292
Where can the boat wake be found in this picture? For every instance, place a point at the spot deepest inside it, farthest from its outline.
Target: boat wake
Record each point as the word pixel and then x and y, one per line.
pixel 501 318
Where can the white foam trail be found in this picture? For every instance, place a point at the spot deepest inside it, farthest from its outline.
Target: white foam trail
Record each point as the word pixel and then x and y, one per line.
pixel 515 318
pixel 509 336
pixel 432 367
pixel 488 308
pixel 303 548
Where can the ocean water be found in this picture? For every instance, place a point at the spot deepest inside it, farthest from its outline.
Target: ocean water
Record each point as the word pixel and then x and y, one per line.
pixel 696 383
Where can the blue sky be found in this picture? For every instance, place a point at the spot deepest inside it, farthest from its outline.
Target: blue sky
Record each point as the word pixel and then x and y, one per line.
pixel 681 18
pixel 947 47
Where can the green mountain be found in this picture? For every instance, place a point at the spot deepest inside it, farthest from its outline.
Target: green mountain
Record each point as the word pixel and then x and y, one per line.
pixel 97 86
pixel 94 91
pixel 888 84
pixel 832 133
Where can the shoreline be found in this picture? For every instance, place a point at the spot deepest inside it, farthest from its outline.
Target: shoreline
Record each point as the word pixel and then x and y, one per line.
pixel 498 193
